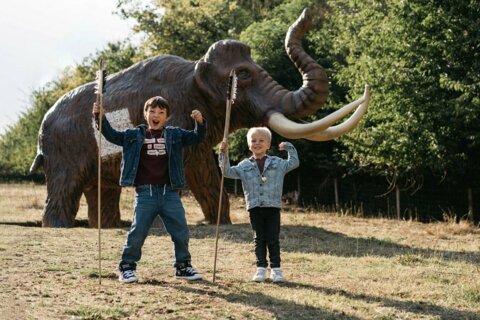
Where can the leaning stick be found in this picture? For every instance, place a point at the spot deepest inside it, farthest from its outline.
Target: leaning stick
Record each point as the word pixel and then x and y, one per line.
pixel 231 93
pixel 98 118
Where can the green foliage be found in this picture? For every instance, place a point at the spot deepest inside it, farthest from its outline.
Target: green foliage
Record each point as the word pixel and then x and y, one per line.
pixel 237 145
pixel 405 52
pixel 267 37
pixel 185 28
pixel 259 9
pixel 18 144
pixel 117 56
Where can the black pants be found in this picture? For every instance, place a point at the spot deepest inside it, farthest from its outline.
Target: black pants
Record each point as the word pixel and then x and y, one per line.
pixel 266 235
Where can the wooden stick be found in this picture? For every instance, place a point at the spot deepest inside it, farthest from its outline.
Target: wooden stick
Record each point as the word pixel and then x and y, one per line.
pixel 99 209
pixel 99 101
pixel 225 139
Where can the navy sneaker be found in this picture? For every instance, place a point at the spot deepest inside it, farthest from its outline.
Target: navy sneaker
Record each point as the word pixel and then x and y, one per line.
pixel 127 276
pixel 186 271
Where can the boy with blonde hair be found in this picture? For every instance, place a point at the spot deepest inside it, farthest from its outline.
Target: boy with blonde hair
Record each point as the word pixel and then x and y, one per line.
pixel 262 181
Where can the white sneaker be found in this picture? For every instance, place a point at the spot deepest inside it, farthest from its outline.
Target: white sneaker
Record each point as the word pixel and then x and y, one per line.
pixel 260 275
pixel 127 276
pixel 277 275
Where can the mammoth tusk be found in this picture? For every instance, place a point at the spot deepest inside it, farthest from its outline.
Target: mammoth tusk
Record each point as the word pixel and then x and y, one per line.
pixel 298 130
pixel 336 131
pixel 321 130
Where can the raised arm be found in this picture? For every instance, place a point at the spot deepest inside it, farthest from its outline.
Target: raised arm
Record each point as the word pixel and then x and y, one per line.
pixel 112 135
pixel 292 161
pixel 196 135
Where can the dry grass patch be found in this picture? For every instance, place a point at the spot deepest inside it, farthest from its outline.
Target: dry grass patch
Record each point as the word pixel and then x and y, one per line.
pixel 338 268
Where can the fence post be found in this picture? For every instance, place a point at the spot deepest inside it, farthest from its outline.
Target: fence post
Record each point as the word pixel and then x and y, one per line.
pixel 388 206
pixel 335 189
pixel 470 205
pixel 299 188
pixel 397 193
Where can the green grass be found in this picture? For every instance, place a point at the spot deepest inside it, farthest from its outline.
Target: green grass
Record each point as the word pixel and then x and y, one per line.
pixel 97 313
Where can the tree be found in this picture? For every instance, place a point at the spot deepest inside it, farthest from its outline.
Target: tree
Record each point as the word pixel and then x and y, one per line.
pixel 185 27
pixel 421 59
pixel 398 138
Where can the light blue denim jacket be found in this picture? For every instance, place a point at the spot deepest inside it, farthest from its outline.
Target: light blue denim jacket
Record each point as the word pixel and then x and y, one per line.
pixel 259 193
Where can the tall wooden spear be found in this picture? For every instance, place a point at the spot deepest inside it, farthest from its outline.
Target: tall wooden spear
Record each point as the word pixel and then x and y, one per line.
pixel 99 91
pixel 231 95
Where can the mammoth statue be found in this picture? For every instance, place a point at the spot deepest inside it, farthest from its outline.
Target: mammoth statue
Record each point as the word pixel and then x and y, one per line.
pixel 67 147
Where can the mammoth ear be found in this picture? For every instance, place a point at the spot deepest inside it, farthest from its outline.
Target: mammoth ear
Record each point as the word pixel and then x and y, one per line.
pixel 203 78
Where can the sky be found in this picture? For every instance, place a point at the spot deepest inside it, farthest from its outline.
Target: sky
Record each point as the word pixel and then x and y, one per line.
pixel 39 38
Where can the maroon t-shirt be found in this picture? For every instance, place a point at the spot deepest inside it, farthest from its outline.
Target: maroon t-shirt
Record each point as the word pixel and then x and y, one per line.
pixel 153 165
pixel 260 163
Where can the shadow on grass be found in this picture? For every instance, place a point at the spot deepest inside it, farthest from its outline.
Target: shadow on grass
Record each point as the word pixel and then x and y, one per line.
pixel 285 309
pixel 310 239
pixel 79 223
pixel 420 308
pixel 281 309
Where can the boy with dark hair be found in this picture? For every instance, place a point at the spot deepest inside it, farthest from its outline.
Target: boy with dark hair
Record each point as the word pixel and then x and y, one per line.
pixel 152 161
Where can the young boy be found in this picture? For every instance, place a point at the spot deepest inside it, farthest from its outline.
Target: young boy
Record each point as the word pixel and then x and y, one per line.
pixel 152 161
pixel 262 182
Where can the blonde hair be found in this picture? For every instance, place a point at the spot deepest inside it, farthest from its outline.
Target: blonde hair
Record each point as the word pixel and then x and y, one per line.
pixel 262 130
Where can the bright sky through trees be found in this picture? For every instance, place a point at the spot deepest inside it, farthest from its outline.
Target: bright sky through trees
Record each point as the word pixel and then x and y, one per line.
pixel 40 38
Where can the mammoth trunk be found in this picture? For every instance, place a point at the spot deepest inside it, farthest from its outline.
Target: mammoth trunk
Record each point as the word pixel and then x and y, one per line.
pixel 314 91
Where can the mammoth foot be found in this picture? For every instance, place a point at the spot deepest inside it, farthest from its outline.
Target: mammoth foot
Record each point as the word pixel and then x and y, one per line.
pixel 110 209
pixel 58 216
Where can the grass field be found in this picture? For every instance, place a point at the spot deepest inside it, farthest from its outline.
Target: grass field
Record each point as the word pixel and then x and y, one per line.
pixel 338 267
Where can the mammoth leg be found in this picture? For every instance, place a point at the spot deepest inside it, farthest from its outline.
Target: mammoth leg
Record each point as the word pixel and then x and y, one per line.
pixel 203 179
pixel 63 199
pixel 110 206
pixel 111 192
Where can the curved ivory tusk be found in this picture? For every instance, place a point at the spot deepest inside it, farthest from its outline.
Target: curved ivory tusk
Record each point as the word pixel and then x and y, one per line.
pixel 321 130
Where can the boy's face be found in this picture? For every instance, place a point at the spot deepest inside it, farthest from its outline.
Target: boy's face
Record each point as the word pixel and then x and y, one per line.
pixel 259 144
pixel 156 117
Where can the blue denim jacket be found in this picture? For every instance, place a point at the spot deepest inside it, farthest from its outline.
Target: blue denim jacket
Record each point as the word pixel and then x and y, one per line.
pixel 131 141
pixel 259 193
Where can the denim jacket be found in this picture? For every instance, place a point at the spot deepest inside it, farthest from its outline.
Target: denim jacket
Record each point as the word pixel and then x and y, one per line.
pixel 258 192
pixel 131 141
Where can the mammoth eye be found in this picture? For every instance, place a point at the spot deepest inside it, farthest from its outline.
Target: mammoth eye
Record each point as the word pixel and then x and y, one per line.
pixel 243 74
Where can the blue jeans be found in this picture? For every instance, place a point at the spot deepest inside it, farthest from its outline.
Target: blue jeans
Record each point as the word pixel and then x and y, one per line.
pixel 150 201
